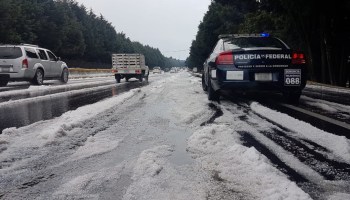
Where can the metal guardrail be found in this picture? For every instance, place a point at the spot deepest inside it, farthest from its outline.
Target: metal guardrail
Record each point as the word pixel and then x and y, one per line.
pixel 85 73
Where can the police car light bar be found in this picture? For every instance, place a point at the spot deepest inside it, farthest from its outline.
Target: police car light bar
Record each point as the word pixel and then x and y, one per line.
pixel 244 35
pixel 264 34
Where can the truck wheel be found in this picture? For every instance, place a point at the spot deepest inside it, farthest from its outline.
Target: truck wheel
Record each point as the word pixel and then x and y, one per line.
pixel 204 86
pixel 212 94
pixel 117 77
pixel 64 76
pixel 3 83
pixel 39 77
pixel 140 78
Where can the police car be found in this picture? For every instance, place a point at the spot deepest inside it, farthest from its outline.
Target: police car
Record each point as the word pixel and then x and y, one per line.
pixel 254 62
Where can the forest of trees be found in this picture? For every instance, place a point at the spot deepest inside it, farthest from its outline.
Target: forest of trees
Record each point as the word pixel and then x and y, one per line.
pixel 320 29
pixel 76 34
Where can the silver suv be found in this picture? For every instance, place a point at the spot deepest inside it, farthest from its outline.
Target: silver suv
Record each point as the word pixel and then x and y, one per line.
pixel 30 63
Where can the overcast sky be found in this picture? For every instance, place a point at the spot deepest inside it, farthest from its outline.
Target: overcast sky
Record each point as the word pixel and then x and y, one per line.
pixel 169 25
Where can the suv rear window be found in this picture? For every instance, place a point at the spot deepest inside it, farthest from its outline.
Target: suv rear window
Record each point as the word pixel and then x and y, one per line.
pixel 31 53
pixel 251 42
pixel 10 52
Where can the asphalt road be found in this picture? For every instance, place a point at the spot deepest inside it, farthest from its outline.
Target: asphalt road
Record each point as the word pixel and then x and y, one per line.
pixel 165 140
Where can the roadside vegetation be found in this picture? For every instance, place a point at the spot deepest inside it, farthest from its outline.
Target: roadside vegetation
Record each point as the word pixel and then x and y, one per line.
pixel 320 29
pixel 73 32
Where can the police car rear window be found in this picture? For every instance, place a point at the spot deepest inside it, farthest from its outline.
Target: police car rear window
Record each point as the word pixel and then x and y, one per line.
pixel 252 42
pixel 10 52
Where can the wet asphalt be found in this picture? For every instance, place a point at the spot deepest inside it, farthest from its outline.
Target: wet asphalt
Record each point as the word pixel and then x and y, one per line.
pixel 29 112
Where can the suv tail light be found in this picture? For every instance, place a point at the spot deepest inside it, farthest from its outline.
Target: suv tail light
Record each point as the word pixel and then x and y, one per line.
pixel 225 58
pixel 25 64
pixel 298 58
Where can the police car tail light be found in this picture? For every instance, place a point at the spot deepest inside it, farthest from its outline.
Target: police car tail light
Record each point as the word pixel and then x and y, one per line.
pixel 298 58
pixel 225 58
pixel 25 63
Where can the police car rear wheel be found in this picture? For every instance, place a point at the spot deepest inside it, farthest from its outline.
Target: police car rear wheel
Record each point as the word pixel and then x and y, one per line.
pixel 204 86
pixel 212 94
pixel 3 83
pixel 292 97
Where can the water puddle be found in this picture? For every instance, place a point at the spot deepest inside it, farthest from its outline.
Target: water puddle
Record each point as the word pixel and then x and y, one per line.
pixel 175 134
pixel 178 136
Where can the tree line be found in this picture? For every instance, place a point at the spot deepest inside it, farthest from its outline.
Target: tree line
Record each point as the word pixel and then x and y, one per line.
pixel 320 29
pixel 78 35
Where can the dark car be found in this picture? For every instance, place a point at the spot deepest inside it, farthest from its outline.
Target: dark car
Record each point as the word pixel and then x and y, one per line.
pixel 256 62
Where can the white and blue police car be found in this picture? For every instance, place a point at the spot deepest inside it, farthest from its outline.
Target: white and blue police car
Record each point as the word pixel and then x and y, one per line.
pixel 254 62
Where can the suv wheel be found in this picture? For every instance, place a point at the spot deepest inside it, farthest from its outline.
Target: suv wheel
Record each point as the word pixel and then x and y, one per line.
pixel 3 83
pixel 39 77
pixel 64 76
